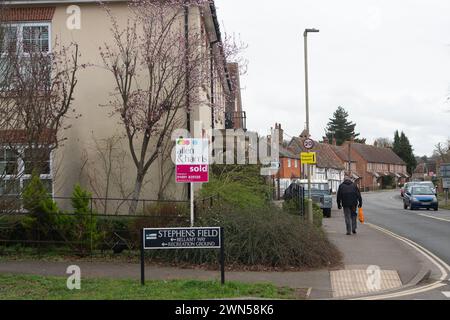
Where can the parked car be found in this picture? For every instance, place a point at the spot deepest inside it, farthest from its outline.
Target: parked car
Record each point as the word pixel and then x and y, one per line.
pixel 429 184
pixel 406 186
pixel 320 194
pixel 420 196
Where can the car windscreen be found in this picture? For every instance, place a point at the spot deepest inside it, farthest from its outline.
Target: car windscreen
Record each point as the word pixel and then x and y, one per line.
pixel 422 190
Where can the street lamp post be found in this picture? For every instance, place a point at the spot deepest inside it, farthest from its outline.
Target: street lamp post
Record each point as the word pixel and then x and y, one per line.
pixel 305 36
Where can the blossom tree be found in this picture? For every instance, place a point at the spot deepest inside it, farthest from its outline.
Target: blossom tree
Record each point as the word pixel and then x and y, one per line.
pixel 159 71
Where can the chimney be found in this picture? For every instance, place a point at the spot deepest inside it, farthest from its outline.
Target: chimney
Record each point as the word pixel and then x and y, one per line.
pixel 334 141
pixel 375 143
pixel 325 140
pixel 280 132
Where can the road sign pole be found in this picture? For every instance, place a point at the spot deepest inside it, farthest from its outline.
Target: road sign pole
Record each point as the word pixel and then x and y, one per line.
pixel 192 204
pixel 222 257
pixel 142 259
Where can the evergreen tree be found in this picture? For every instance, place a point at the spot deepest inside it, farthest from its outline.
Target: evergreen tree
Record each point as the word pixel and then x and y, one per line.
pixel 396 144
pixel 404 150
pixel 341 129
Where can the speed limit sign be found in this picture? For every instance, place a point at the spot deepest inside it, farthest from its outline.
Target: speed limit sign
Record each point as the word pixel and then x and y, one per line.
pixel 308 144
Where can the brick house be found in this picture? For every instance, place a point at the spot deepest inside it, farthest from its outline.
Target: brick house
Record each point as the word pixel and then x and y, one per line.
pixel 288 172
pixel 370 165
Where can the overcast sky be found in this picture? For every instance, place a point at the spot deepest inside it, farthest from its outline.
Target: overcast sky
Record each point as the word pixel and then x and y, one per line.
pixel 386 62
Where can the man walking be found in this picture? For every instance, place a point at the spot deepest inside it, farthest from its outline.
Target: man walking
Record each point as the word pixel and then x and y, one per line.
pixel 349 198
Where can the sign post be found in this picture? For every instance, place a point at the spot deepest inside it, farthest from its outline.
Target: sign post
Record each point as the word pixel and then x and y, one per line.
pixel 192 165
pixel 445 174
pixel 183 238
pixel 142 259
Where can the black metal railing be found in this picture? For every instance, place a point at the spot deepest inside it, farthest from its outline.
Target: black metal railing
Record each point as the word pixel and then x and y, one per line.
pixel 94 231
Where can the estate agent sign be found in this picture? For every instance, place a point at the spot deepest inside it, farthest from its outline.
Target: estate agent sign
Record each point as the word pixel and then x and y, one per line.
pixel 192 159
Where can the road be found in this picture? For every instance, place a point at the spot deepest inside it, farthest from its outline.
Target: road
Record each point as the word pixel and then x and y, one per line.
pixel 429 229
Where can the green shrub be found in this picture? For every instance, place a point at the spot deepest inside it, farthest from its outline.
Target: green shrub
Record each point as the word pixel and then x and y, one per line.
pixel 43 217
pixel 83 223
pixel 240 186
pixel 317 215
pixel 166 209
pixel 262 238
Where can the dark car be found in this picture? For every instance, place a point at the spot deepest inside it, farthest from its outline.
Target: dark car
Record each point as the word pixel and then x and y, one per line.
pixel 420 196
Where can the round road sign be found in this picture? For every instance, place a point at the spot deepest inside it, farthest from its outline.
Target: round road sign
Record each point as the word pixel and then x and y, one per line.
pixel 308 144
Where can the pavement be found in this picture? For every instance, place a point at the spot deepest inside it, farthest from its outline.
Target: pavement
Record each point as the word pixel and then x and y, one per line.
pixel 367 252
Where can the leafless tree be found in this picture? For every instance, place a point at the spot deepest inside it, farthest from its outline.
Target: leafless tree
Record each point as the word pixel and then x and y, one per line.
pixel 159 71
pixel 442 151
pixel 36 94
pixel 383 143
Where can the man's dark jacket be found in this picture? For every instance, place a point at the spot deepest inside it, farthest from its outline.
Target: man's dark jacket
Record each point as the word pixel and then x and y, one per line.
pixel 348 195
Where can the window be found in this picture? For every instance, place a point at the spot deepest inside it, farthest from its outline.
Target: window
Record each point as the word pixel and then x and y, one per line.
pixel 24 39
pixel 289 163
pixel 9 36
pixel 295 163
pixel 8 162
pixel 35 38
pixel 37 159
pixel 17 166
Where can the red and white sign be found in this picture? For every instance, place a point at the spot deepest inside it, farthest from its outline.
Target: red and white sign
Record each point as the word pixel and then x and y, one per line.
pixel 192 160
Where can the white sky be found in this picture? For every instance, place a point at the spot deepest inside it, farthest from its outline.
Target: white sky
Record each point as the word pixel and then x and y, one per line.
pixel 386 62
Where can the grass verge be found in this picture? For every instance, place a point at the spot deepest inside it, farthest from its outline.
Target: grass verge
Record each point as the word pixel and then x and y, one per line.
pixel 31 287
pixel 441 198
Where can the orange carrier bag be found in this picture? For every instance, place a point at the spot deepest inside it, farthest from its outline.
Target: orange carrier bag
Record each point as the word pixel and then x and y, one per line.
pixel 361 215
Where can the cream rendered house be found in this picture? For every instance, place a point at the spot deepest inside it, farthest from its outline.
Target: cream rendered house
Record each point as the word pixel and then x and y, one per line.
pixel 93 150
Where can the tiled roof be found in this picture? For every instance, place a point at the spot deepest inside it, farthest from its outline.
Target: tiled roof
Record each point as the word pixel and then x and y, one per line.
pixel 377 155
pixel 285 153
pixel 21 136
pixel 29 14
pixel 326 158
pixel 342 152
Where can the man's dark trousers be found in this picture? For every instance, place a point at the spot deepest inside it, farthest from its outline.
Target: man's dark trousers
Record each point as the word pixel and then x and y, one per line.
pixel 350 219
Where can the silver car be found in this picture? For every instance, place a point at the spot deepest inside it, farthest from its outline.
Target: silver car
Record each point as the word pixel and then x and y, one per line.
pixel 429 184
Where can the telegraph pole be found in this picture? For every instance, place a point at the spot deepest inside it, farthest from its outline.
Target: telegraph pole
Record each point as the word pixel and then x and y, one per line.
pixel 305 37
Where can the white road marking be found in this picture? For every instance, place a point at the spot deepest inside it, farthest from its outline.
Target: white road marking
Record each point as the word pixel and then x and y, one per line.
pixel 308 293
pixel 430 256
pixel 433 217
pixel 446 294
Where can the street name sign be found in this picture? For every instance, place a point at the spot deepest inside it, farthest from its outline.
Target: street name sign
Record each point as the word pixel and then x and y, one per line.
pixel 182 238
pixel 446 183
pixel 308 144
pixel 445 170
pixel 192 160
pixel 308 157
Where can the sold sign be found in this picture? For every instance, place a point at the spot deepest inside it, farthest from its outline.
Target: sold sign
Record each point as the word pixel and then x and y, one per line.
pixel 192 160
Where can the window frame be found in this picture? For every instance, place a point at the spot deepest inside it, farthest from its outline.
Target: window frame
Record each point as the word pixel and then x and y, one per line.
pixel 22 177
pixel 21 25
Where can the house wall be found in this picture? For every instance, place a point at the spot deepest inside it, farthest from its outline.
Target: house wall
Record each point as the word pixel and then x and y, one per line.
pixel 287 171
pixel 335 178
pixel 78 159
